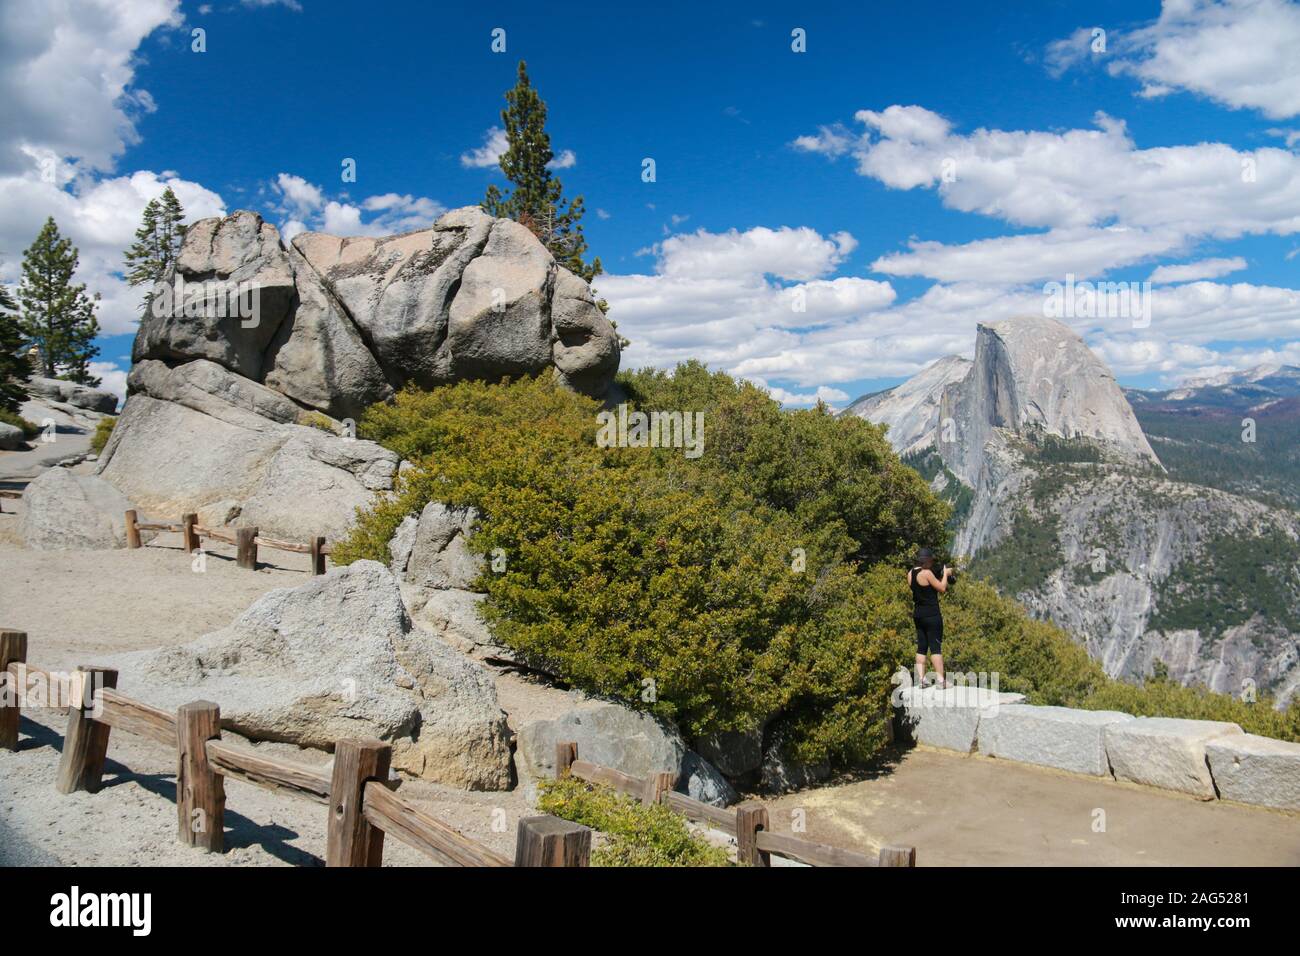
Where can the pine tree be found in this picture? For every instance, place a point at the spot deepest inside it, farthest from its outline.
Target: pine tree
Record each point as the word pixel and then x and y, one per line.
pixel 14 365
pixel 537 200
pixel 157 241
pixel 57 315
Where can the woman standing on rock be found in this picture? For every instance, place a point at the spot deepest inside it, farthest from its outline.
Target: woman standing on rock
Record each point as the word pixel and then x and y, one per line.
pixel 926 589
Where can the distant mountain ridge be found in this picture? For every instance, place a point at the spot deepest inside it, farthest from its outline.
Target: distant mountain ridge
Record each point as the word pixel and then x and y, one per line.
pixel 1148 550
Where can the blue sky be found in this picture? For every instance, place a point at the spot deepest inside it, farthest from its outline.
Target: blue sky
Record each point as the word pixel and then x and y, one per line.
pixel 779 174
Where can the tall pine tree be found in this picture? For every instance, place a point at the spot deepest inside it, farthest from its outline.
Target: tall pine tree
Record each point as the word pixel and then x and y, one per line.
pixel 57 315
pixel 157 241
pixel 537 200
pixel 14 365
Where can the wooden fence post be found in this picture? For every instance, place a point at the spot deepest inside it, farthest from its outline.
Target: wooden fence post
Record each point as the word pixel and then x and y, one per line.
pixel 13 650
pixel 200 791
pixel 246 542
pixel 351 840
pixel 132 532
pixel 566 751
pixel 191 537
pixel 85 745
pixel 898 856
pixel 550 841
pixel 317 555
pixel 751 817
pixel 657 784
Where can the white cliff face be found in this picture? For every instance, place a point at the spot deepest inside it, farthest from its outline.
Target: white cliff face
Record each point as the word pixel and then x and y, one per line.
pixel 911 410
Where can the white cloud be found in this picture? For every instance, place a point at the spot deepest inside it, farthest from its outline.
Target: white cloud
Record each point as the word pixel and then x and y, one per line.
pixel 1063 54
pixel 786 253
pixel 293 5
pixel 1083 252
pixel 1239 53
pixel 100 217
pixel 300 196
pixel 833 140
pixel 833 397
pixel 1204 269
pixel 495 143
pixel 1091 188
pixel 711 297
pixel 566 159
pixel 304 206
pixel 112 378
pixel 66 69
pixel 489 154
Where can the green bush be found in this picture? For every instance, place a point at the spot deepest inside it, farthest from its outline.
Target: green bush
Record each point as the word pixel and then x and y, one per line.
pixel 1160 697
pixel 635 835
pixel 631 570
pixel 319 421
pixel 103 431
pixel 13 418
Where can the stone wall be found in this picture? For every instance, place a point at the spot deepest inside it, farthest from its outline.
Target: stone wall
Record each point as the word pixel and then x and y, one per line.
pixel 1205 758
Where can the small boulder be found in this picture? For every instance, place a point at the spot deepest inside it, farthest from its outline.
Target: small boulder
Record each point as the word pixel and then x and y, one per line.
pixel 702 781
pixel 948 718
pixel 607 734
pixel 1256 770
pixel 337 657
pixel 71 393
pixel 1059 737
pixel 11 437
pixel 440 556
pixel 735 753
pixel 67 512
pixel 1166 752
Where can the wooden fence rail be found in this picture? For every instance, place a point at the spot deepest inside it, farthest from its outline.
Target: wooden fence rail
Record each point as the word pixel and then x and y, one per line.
pixel 361 806
pixel 747 822
pixel 245 540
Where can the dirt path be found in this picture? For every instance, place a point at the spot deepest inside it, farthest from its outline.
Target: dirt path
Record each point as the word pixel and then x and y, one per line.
pixel 978 811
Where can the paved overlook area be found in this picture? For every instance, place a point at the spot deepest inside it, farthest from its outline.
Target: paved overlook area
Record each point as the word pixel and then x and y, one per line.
pixel 957 810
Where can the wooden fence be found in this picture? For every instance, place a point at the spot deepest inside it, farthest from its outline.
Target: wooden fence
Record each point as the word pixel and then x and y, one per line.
pixel 245 540
pixel 747 822
pixel 361 807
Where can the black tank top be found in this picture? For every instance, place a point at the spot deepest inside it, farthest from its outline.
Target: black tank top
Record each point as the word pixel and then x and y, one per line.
pixel 925 599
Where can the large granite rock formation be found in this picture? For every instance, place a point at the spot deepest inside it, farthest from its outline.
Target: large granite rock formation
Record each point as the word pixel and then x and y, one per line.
pixel 252 355
pixel 200 438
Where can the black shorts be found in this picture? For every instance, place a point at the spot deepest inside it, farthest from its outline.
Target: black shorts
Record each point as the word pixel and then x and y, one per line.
pixel 929 634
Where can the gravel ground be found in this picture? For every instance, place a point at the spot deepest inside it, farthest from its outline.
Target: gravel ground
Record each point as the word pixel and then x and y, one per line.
pixel 76 605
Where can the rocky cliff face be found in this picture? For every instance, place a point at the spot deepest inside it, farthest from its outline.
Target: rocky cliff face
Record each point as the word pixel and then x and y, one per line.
pixel 911 410
pixel 252 354
pixel 1072 513
pixel 1035 373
